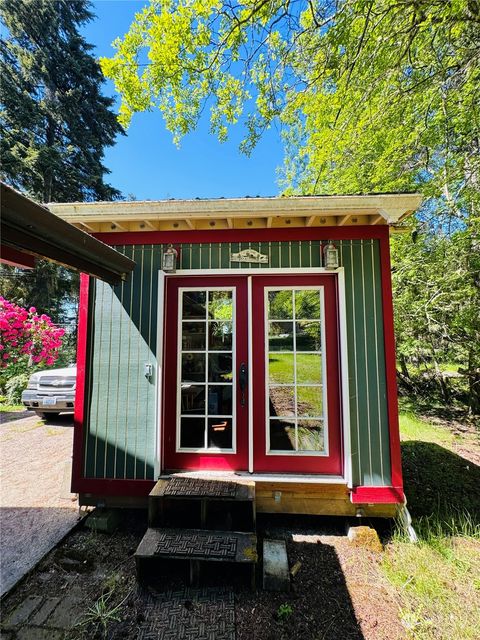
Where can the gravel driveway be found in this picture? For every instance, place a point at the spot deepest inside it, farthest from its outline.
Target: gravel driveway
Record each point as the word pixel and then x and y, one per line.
pixel 36 507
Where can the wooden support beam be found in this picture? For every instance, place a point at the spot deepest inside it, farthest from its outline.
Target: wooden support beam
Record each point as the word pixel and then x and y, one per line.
pixel 230 223
pixel 189 223
pixel 269 222
pixel 376 219
pixel 341 221
pixel 86 226
pixel 310 220
pixel 148 224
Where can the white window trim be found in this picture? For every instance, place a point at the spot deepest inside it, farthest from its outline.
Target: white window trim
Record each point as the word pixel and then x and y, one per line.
pixel 159 453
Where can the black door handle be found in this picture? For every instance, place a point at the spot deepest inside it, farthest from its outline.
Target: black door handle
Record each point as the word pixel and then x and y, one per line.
pixel 242 381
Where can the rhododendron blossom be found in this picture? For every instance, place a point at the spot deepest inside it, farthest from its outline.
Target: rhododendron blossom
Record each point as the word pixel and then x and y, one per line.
pixel 25 333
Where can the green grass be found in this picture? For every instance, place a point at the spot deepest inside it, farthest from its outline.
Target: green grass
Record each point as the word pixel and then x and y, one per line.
pixel 437 584
pixel 11 407
pixel 437 580
pixel 414 428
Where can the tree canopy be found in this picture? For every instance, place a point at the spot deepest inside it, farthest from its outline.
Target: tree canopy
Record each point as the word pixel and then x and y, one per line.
pixel 373 95
pixel 54 121
pixel 54 126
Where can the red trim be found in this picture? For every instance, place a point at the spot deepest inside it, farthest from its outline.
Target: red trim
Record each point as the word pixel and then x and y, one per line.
pixel 244 235
pixel 377 495
pixel 333 463
pixel 79 413
pixel 390 364
pixel 16 258
pixel 111 487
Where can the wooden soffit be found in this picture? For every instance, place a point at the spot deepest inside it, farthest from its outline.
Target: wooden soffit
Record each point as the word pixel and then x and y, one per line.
pixel 238 213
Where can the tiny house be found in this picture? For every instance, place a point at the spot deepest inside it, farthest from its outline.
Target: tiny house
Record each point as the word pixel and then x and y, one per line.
pixel 254 339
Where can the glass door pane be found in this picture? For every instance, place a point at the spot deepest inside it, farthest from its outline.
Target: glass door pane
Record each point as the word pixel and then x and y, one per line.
pixel 296 405
pixel 206 377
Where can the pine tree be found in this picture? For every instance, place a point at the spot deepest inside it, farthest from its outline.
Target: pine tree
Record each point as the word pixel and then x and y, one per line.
pixel 54 121
pixel 54 127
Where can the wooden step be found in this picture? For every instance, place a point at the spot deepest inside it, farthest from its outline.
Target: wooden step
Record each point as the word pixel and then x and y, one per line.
pixel 180 501
pixel 196 547
pixel 189 488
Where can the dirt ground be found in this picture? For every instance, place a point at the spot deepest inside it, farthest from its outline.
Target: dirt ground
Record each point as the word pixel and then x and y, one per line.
pixel 338 592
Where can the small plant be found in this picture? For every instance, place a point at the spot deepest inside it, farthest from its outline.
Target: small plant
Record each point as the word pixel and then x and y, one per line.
pixel 103 613
pixel 284 612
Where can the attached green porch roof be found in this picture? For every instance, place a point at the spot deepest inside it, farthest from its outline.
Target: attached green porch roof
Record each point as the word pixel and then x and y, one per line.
pixel 29 229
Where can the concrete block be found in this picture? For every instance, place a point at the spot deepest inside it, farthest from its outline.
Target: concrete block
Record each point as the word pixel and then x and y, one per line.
pixel 24 610
pixel 365 537
pixel 45 610
pixel 276 576
pixel 66 614
pixel 105 520
pixel 36 633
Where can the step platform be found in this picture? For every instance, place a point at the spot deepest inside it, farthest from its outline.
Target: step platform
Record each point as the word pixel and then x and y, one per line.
pixel 203 503
pixel 195 547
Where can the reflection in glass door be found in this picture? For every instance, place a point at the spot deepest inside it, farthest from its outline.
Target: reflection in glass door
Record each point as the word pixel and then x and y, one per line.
pixel 296 377
pixel 296 381
pixel 206 371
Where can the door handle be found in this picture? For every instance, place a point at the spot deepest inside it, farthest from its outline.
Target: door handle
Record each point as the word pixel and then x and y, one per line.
pixel 242 382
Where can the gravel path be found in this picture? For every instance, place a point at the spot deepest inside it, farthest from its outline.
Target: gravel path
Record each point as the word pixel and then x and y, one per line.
pixel 36 507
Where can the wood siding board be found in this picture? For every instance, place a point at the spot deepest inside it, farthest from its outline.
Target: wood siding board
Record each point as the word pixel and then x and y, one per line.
pixel 362 364
pixel 382 379
pixel 215 256
pixel 316 254
pixel 349 266
pixel 139 462
pixel 119 465
pixel 111 392
pixel 295 253
pixel 304 256
pixel 224 256
pixel 371 332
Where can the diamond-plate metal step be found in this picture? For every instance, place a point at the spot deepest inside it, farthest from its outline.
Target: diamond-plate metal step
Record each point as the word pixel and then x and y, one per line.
pixel 206 503
pixel 197 547
pixel 197 488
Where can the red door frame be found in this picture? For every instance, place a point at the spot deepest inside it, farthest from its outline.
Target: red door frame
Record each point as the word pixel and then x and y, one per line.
pixel 189 460
pixel 331 464
pixel 298 463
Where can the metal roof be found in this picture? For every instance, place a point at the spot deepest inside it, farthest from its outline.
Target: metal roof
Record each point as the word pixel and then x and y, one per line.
pixel 239 213
pixel 28 228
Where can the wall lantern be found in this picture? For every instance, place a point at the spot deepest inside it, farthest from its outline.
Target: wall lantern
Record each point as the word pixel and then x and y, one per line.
pixel 330 256
pixel 169 259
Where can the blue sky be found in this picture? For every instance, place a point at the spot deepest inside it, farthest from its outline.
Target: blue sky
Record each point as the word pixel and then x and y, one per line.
pixel 146 163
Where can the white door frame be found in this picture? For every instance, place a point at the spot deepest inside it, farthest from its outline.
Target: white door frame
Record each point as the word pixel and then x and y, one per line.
pixel 248 272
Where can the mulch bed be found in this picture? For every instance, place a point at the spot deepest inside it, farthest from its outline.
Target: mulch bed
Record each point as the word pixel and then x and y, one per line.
pixel 337 593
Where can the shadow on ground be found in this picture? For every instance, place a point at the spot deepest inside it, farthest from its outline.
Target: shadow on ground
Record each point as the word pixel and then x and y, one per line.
pixel 440 483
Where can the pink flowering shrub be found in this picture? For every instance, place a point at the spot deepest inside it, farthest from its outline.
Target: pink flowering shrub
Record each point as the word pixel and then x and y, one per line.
pixel 25 334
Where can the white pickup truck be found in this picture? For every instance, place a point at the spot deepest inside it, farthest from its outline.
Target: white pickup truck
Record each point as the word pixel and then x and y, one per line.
pixel 51 392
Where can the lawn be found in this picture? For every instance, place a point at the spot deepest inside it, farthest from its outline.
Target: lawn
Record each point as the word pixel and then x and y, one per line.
pixel 437 580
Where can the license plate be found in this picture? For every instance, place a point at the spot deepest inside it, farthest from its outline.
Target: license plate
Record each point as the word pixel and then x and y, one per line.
pixel 49 401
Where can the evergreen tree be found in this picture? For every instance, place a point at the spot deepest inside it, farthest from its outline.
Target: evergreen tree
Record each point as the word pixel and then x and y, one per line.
pixel 54 121
pixel 54 127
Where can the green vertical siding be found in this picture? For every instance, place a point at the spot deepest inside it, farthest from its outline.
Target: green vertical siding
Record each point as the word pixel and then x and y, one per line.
pixel 121 437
